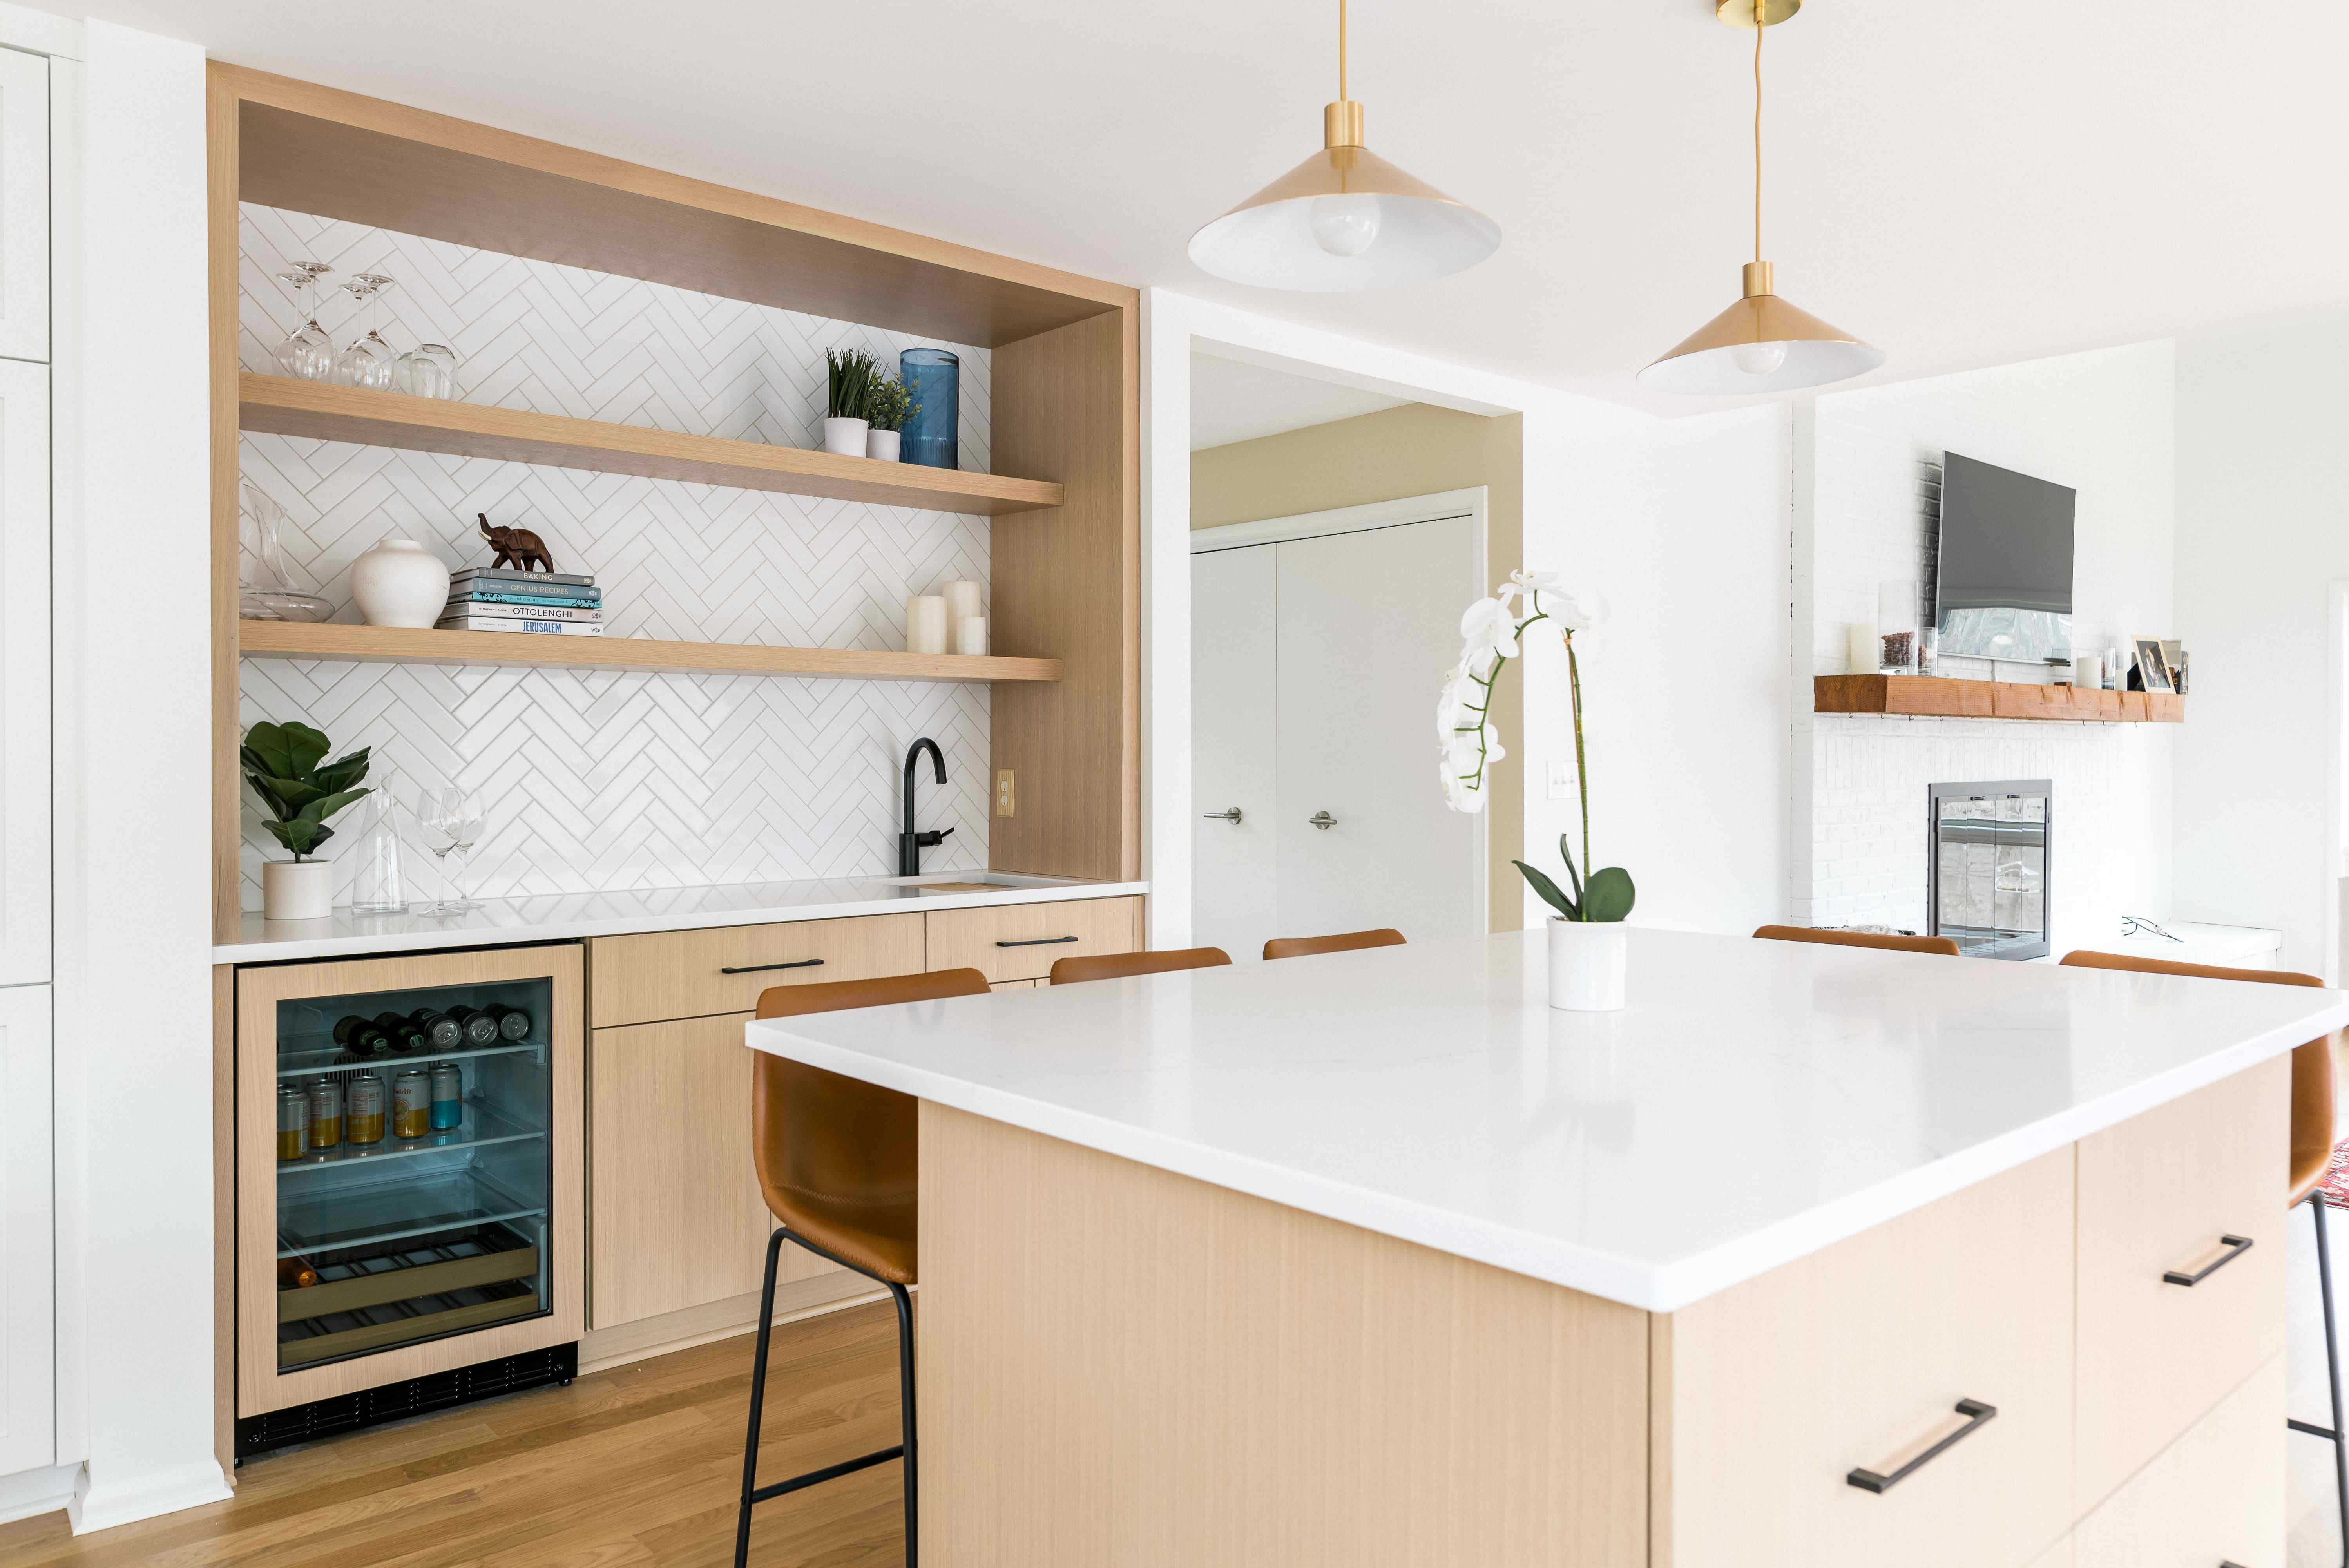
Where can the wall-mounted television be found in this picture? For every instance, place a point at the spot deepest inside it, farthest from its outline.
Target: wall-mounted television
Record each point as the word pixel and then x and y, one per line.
pixel 2004 587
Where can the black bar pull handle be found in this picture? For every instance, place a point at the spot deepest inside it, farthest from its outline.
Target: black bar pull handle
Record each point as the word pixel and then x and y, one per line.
pixel 762 968
pixel 2236 1247
pixel 1977 1415
pixel 1036 941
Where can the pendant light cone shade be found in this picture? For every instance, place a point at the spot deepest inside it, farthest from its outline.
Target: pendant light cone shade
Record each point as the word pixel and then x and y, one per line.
pixel 1760 344
pixel 1344 219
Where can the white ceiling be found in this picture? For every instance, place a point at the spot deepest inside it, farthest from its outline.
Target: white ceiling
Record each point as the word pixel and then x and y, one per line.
pixel 1963 184
pixel 1233 401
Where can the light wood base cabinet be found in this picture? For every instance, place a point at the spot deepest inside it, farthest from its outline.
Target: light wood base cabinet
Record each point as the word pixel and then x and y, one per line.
pixel 2216 1495
pixel 1022 941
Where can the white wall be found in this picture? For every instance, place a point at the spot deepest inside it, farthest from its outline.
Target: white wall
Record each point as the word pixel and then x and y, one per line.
pixel 2103 423
pixel 2263 535
pixel 134 859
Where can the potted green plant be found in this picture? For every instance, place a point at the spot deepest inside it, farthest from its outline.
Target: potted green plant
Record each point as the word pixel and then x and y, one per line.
pixel 888 408
pixel 850 392
pixel 282 762
pixel 1588 952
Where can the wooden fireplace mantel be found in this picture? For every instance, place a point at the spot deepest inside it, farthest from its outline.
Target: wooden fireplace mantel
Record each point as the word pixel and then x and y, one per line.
pixel 1930 697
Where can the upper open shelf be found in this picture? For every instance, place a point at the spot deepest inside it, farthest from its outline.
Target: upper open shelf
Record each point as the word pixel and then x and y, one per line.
pixel 283 406
pixel 1930 697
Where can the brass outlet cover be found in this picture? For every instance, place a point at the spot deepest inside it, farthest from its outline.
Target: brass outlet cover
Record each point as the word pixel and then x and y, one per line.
pixel 1003 793
pixel 1741 13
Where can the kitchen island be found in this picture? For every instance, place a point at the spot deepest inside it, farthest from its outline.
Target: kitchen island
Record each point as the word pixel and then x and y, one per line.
pixel 1810 1254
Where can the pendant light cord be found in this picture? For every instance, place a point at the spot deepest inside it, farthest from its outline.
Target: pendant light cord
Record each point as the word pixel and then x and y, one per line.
pixel 1758 30
pixel 1341 51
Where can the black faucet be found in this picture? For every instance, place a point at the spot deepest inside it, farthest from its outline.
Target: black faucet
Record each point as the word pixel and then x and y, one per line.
pixel 910 844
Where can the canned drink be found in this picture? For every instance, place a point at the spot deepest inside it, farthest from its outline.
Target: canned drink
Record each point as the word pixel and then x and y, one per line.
pixel 293 1121
pixel 447 1097
pixel 363 1110
pixel 326 1100
pixel 411 1104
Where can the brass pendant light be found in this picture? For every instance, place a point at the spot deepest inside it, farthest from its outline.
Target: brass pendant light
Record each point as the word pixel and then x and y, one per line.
pixel 1760 344
pixel 1344 219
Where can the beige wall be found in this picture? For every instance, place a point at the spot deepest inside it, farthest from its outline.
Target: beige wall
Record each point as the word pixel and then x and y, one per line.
pixel 1416 449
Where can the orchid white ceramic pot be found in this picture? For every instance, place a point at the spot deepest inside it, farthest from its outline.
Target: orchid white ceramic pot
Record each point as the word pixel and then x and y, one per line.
pixel 1587 962
pixel 296 890
pixel 399 583
pixel 882 444
pixel 846 437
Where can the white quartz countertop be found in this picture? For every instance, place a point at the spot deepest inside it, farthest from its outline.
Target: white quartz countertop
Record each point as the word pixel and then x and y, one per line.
pixel 556 917
pixel 1755 1101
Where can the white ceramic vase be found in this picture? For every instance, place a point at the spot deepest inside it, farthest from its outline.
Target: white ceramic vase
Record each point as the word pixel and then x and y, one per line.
pixel 399 583
pixel 846 437
pixel 296 890
pixel 882 444
pixel 1587 960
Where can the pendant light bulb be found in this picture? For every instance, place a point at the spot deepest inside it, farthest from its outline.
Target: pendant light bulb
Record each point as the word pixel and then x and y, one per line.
pixel 1345 225
pixel 1758 358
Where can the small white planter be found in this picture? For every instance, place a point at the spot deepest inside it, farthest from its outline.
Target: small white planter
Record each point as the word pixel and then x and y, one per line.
pixel 1587 960
pixel 844 437
pixel 296 890
pixel 882 444
pixel 399 583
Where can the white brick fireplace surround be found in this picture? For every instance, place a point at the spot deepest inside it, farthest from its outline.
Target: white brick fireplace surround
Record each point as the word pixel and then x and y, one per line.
pixel 2102 423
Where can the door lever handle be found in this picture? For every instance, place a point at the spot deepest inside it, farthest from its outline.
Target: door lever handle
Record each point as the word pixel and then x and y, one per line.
pixel 1231 816
pixel 1323 820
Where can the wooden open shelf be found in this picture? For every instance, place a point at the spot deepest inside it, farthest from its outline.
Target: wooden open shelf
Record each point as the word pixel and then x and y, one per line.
pixel 1930 696
pixel 283 406
pixel 401 645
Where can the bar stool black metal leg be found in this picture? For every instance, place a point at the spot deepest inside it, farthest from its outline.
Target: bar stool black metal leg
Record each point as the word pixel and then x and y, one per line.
pixel 758 1401
pixel 2339 1433
pixel 906 1401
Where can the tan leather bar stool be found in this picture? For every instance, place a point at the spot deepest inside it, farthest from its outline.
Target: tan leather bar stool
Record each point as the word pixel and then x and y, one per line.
pixel 2311 1153
pixel 1343 942
pixel 837 1162
pixel 1888 941
pixel 1117 965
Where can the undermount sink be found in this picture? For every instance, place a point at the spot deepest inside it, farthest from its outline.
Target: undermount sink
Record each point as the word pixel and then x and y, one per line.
pixel 972 882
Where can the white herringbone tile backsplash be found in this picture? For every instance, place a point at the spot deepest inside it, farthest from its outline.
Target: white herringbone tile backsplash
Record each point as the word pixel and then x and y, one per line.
pixel 599 781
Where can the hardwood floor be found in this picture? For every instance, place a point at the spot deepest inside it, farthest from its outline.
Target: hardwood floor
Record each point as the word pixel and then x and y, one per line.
pixel 639 1465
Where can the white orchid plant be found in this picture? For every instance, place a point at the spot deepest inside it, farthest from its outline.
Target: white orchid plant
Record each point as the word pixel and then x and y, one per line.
pixel 1492 632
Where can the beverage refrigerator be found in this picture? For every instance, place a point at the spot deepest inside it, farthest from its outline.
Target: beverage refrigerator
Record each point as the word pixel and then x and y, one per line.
pixel 409 1188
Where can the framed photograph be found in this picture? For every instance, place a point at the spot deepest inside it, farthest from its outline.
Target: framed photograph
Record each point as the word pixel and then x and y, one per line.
pixel 2152 668
pixel 2173 659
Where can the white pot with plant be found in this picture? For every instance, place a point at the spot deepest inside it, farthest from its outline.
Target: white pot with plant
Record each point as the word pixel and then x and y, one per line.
pixel 1588 949
pixel 888 408
pixel 281 762
pixel 849 389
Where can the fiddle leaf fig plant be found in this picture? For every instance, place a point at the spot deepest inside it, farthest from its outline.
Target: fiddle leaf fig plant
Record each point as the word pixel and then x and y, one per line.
pixel 281 762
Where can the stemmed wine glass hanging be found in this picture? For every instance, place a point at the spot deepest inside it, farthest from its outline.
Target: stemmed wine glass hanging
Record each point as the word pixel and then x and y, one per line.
pixel 306 352
pixel 368 360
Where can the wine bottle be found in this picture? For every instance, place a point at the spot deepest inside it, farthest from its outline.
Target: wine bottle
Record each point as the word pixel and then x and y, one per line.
pixel 390 1024
pixel 294 1274
pixel 346 1026
pixel 408 1040
pixel 371 1042
pixel 513 1022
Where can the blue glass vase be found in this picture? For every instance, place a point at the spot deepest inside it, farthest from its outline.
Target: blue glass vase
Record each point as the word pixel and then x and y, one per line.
pixel 933 437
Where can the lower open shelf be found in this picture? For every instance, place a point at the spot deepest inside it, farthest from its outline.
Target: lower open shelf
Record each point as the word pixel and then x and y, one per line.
pixel 405 646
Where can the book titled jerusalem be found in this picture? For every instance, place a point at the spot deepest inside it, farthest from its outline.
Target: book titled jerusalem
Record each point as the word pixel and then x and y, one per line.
pixel 514 574
pixel 548 629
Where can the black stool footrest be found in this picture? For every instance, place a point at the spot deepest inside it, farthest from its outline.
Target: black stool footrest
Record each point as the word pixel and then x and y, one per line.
pixel 830 1472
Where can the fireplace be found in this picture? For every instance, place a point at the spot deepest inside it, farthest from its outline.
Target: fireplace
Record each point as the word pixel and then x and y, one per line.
pixel 1987 861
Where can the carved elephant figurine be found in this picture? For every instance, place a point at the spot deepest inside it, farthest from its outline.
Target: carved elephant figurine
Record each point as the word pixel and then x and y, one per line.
pixel 516 547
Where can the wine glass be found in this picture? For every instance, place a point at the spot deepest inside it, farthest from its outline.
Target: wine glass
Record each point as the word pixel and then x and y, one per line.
pixel 368 361
pixel 428 370
pixel 307 352
pixel 452 820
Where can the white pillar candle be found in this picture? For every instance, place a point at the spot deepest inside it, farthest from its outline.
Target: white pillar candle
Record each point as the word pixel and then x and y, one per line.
pixel 2089 670
pixel 1861 652
pixel 926 623
pixel 963 602
pixel 970 635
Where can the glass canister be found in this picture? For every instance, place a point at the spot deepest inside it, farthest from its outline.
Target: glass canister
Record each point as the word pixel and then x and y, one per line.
pixel 379 884
pixel 363 1110
pixel 293 1121
pixel 933 434
pixel 1896 627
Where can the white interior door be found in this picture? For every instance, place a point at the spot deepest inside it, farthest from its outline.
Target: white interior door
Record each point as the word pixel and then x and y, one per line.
pixel 27 1269
pixel 1233 607
pixel 24 672
pixel 24 205
pixel 1368 622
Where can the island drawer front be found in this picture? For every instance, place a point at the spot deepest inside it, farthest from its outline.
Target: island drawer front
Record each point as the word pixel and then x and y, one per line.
pixel 2156 1195
pixel 1039 934
pixel 1772 1393
pixel 682 974
pixel 2216 1495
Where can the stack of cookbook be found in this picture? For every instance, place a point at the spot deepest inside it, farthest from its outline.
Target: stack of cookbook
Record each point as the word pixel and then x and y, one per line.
pixel 503 599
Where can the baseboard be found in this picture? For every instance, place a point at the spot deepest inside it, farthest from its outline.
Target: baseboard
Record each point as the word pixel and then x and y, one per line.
pixel 102 1506
pixel 34 1492
pixel 601 1348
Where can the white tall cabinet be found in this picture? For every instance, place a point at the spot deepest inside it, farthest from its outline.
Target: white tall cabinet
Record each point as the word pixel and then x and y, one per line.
pixel 27 1261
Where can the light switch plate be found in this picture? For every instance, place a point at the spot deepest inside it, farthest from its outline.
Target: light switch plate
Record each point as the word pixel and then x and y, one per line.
pixel 1003 793
pixel 1561 780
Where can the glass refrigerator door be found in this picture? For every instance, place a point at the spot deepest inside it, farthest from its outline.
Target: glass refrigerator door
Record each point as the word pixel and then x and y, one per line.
pixel 415 1176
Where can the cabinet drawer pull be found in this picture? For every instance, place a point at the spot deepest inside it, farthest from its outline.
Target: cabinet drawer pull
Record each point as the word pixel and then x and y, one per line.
pixel 1977 1415
pixel 2236 1247
pixel 1036 941
pixel 762 968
